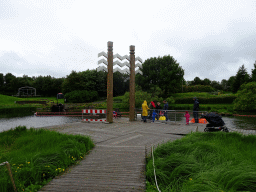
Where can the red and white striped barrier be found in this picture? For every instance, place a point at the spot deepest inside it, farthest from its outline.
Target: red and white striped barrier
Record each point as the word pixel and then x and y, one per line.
pixel 94 112
pixel 102 111
pixel 93 119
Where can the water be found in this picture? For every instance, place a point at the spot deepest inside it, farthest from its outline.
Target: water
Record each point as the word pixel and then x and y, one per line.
pixel 35 122
pixel 231 122
pixel 240 122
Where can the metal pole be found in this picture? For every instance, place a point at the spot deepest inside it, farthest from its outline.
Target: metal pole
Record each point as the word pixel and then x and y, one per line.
pixel 132 83
pixel 182 85
pixel 110 83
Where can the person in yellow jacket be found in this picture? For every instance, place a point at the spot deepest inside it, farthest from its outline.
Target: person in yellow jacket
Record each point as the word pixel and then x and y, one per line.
pixel 145 111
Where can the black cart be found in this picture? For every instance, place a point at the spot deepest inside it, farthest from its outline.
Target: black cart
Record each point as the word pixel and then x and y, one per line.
pixel 215 123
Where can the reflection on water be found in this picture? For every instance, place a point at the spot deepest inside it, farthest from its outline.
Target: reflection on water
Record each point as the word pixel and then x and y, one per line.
pixel 235 122
pixel 240 122
pixel 36 122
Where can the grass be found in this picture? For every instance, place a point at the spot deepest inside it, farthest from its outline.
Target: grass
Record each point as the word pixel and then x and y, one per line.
pixel 205 162
pixel 37 155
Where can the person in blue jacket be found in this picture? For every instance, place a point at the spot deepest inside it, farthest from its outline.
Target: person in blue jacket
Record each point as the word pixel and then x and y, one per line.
pixel 165 108
pixel 154 114
pixel 195 109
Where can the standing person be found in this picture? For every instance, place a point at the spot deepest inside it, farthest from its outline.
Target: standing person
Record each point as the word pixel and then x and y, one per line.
pixel 187 117
pixel 196 109
pixel 165 108
pixel 152 106
pixel 154 114
pixel 145 111
pixel 158 107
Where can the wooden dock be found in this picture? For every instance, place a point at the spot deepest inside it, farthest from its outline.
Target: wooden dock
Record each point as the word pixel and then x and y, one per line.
pixel 117 163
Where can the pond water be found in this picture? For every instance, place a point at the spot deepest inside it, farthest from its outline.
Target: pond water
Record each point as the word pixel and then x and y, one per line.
pixel 231 122
pixel 36 122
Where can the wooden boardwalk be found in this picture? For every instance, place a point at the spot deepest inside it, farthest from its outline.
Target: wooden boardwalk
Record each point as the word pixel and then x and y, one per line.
pixel 117 163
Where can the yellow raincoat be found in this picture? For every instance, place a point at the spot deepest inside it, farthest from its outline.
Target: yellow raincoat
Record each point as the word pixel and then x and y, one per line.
pixel 145 109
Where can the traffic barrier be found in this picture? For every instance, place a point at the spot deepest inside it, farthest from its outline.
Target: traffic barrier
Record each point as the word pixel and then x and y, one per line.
pixel 93 112
pixel 93 119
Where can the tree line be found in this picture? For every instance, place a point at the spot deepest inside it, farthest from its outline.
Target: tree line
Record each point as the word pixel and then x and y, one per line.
pixel 162 77
pixel 48 86
pixel 230 85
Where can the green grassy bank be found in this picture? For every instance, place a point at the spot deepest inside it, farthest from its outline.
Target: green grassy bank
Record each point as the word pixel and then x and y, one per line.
pixel 205 162
pixel 37 155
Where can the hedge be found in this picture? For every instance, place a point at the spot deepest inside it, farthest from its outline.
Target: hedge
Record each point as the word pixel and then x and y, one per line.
pixel 196 88
pixel 213 100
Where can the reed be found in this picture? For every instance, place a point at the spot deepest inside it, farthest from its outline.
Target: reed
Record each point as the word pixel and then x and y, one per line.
pixel 205 162
pixel 37 155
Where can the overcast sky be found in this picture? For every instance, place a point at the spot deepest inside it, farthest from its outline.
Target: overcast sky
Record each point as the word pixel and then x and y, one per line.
pixel 208 38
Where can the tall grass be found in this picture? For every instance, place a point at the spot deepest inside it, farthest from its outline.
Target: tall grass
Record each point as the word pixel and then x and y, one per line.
pixel 205 162
pixel 37 155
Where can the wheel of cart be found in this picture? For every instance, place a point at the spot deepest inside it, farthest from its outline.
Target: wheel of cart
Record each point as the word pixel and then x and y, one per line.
pixel 225 129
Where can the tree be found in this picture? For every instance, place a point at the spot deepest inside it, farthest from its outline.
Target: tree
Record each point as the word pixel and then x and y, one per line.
pixel 254 72
pixel 89 80
pixel 1 82
pixel 197 81
pixel 240 78
pixel 120 85
pixel 216 85
pixel 246 98
pixel 206 81
pixel 10 82
pixel 230 83
pixel 224 84
pixel 163 72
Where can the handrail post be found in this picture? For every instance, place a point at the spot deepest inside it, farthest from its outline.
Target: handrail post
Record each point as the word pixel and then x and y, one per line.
pixel 175 117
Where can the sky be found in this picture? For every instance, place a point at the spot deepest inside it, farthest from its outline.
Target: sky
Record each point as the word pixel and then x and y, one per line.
pixel 208 38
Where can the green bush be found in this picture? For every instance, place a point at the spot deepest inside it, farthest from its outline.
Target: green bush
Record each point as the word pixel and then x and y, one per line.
pixel 246 99
pixel 81 96
pixel 141 96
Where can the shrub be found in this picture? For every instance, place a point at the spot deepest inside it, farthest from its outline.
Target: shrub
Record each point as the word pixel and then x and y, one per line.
pixel 81 96
pixel 140 97
pixel 246 99
pixel 198 88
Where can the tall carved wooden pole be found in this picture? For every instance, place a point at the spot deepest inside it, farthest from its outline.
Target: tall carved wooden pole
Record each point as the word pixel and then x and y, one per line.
pixel 132 84
pixel 110 83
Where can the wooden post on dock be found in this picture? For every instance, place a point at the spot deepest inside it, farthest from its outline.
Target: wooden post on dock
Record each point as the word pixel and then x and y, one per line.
pixel 110 83
pixel 132 83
